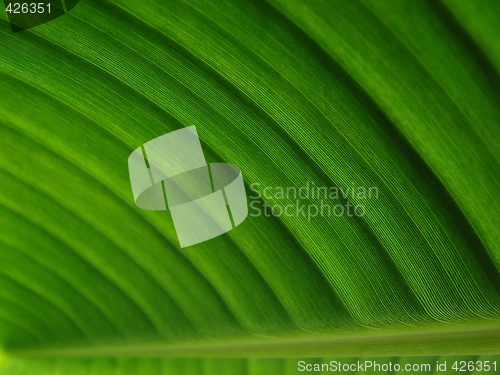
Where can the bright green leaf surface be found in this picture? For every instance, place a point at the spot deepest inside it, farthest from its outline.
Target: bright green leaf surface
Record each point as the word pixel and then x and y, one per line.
pixel 399 95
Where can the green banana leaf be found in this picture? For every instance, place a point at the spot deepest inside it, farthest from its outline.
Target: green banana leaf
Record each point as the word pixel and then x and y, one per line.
pixel 399 96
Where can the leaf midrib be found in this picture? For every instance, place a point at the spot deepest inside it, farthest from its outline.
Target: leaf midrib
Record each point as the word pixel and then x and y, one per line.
pixel 483 338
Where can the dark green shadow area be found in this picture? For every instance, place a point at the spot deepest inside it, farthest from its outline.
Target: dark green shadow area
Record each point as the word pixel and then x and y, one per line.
pixel 70 4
